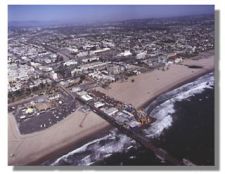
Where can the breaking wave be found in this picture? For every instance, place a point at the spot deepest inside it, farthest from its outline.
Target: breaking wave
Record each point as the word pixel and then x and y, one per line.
pixel 97 150
pixel 115 142
pixel 163 107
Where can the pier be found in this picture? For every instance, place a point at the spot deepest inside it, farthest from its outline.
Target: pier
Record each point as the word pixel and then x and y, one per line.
pixel 137 136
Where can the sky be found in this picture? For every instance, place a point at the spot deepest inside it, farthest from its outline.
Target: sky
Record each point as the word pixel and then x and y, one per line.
pixel 100 13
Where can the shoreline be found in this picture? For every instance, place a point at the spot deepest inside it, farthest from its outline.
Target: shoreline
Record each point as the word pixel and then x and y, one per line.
pixel 146 87
pixel 104 131
pixel 70 147
pixel 33 149
pixel 66 135
pixel 145 104
pixel 177 85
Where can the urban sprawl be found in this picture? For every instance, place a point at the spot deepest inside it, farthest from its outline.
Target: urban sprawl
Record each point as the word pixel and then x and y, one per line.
pixel 55 70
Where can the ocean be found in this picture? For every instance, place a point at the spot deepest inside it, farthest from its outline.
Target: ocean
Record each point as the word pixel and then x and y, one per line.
pixel 184 127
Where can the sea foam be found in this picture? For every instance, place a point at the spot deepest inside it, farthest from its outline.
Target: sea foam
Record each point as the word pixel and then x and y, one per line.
pixel 116 142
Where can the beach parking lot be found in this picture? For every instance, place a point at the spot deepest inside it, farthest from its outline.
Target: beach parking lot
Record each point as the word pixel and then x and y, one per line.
pixel 32 148
pixel 43 112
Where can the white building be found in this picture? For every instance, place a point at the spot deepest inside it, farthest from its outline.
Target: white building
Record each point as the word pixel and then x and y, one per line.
pixel 76 89
pixel 141 55
pixel 93 65
pixel 21 72
pixel 82 54
pixel 45 68
pixel 54 75
pixel 86 97
pixel 125 53
pixel 99 104
pixel 70 62
pixel 72 50
pixel 100 76
pixel 99 51
pixel 111 111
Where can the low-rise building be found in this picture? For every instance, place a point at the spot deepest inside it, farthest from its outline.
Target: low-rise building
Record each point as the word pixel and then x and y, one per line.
pixel 86 97
pixel 99 104
pixel 70 62
pixel 110 111
pixel 141 55
pixel 125 53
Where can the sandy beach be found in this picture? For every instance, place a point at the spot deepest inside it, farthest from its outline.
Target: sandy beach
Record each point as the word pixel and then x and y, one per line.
pixel 147 86
pixel 36 147
pixel 39 146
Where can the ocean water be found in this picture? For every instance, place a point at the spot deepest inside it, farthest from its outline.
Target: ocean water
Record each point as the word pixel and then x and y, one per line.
pixel 184 128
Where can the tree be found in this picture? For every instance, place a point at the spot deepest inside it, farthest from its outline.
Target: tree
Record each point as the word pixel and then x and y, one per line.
pixel 82 78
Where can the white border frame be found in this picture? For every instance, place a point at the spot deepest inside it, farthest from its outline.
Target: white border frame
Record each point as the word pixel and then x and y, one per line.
pixel 219 5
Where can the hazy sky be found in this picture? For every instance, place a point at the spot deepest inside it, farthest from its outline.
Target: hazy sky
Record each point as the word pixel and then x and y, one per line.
pixel 100 13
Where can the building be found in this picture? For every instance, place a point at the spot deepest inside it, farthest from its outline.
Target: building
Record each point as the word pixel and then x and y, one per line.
pixel 141 55
pixel 86 97
pixel 76 89
pixel 111 111
pixel 70 62
pixel 100 76
pixel 89 66
pixel 99 104
pixel 82 54
pixel 99 51
pixel 134 124
pixel 90 59
pixel 125 53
